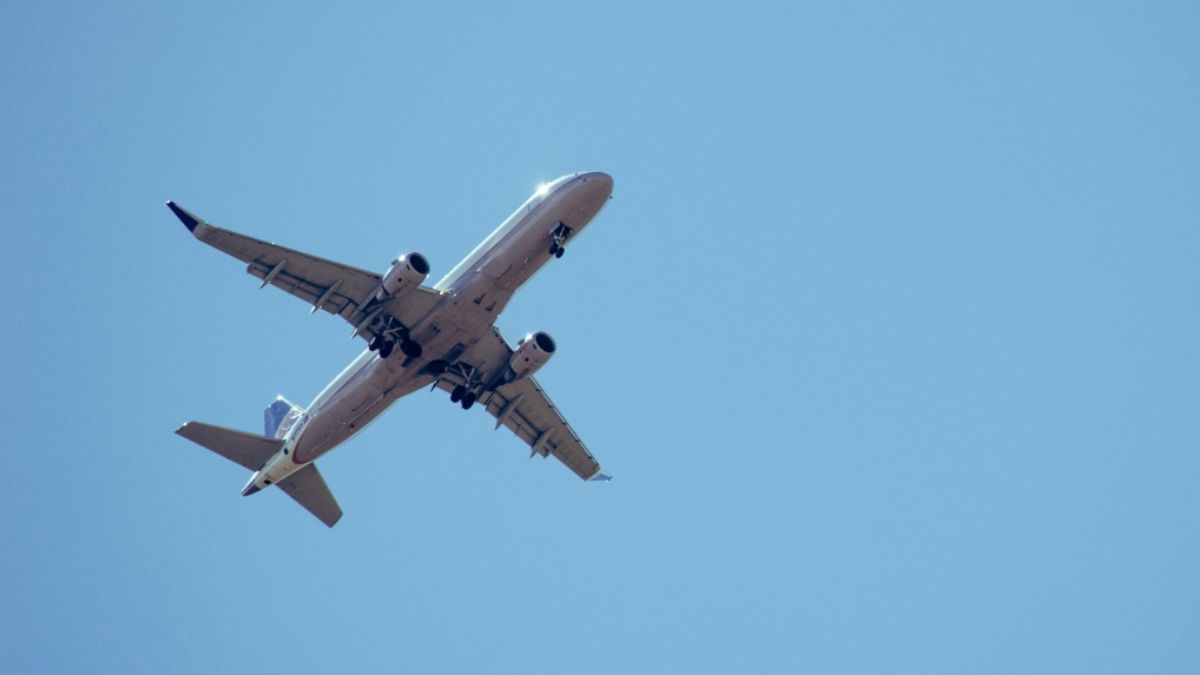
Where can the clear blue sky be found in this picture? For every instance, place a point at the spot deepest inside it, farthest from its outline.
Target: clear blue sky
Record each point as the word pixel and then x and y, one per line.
pixel 888 336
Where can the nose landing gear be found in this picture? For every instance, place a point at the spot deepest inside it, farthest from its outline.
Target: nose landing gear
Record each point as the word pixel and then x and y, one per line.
pixel 560 235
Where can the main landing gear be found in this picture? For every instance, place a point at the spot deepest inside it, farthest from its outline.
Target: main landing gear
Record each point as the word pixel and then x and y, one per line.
pixel 462 394
pixel 384 346
pixel 560 236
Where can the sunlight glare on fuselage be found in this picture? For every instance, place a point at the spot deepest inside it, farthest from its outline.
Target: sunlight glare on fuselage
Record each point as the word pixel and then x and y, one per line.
pixel 542 189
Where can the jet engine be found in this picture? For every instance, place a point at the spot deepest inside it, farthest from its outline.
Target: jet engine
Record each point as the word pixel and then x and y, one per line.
pixel 532 352
pixel 406 273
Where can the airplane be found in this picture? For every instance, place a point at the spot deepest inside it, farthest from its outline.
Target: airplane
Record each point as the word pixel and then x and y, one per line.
pixel 441 336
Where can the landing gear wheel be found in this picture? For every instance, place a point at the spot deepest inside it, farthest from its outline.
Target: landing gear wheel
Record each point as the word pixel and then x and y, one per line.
pixel 385 350
pixel 554 249
pixel 468 400
pixel 457 394
pixel 375 343
pixel 410 348
pixel 437 367
pixel 559 252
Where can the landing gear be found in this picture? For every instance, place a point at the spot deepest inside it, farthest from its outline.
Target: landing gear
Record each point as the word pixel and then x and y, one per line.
pixel 437 367
pixel 391 334
pixel 410 348
pixel 385 347
pixel 560 235
pixel 463 394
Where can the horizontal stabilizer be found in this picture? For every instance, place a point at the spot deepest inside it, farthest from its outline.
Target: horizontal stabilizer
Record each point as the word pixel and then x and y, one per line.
pixel 308 488
pixel 248 450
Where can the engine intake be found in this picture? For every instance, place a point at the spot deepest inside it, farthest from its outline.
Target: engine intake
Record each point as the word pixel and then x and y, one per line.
pixel 532 352
pixel 406 273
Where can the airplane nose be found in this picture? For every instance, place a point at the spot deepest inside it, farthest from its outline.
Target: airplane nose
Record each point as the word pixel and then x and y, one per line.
pixel 599 181
pixel 597 186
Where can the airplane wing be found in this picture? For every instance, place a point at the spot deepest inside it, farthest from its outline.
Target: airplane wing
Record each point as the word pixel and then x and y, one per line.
pixel 523 406
pixel 324 284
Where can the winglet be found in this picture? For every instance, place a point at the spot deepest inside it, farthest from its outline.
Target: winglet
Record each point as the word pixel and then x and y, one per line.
pixel 600 478
pixel 189 221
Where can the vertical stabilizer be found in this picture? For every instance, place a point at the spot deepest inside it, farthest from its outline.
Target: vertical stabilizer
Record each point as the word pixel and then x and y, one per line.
pixel 279 417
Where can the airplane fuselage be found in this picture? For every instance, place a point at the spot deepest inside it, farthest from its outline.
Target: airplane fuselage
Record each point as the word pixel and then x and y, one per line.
pixel 473 295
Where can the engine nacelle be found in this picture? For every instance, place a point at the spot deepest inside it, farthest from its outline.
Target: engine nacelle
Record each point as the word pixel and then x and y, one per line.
pixel 532 352
pixel 406 273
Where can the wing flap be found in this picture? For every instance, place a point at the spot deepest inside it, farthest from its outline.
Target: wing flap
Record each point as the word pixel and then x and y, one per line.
pixel 308 488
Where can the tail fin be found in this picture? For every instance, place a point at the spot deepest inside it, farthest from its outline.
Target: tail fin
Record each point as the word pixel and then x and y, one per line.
pixel 279 417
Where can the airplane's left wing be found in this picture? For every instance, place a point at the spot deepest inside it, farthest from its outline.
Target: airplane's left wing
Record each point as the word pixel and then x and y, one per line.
pixel 324 284
pixel 523 406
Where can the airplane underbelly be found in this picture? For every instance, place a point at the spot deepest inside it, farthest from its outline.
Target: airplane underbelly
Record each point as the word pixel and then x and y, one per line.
pixel 344 416
pixel 466 315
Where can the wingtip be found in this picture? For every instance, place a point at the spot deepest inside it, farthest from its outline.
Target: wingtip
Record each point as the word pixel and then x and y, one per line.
pixel 600 478
pixel 189 221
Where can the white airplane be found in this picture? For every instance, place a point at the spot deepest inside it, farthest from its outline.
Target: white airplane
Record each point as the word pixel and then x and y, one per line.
pixel 445 336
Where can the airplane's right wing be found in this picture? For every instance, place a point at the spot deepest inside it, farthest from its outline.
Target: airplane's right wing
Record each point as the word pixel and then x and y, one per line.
pixel 324 284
